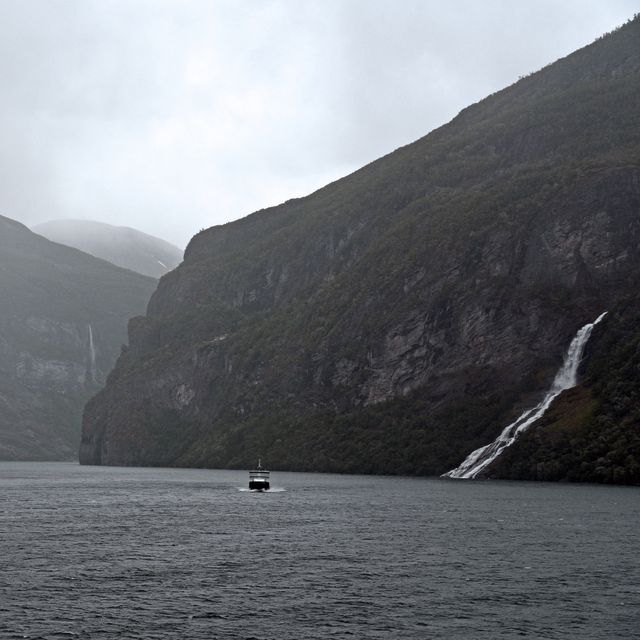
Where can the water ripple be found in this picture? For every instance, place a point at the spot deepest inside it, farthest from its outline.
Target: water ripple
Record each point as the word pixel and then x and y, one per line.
pixel 98 553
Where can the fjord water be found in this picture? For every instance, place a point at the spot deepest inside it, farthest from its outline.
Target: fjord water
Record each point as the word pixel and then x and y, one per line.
pixel 99 552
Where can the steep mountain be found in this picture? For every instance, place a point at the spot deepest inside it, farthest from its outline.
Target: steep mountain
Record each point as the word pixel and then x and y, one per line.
pixel 123 246
pixel 394 320
pixel 63 318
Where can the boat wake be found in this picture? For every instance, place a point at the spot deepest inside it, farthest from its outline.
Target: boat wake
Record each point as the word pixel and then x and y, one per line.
pixel 567 377
pixel 271 490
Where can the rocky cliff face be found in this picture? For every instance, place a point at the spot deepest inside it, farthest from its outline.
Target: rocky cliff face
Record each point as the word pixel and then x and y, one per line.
pixel 393 320
pixel 63 320
pixel 592 432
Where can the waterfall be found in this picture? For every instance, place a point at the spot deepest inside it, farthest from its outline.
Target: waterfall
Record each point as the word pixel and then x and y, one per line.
pixel 92 357
pixel 566 378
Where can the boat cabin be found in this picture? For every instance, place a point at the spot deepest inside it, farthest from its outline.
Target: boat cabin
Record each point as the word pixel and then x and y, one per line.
pixel 259 478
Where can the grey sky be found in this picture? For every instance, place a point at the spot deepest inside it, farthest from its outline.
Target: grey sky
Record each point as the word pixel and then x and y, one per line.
pixel 171 116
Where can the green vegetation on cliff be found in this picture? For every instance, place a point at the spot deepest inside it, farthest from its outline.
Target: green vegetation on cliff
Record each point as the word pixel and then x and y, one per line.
pixel 592 432
pixel 393 321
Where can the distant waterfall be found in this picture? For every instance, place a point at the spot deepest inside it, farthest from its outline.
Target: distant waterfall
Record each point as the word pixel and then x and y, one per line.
pixel 92 357
pixel 566 378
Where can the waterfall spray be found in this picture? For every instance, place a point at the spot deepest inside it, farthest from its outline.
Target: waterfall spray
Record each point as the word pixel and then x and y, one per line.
pixel 92 357
pixel 566 378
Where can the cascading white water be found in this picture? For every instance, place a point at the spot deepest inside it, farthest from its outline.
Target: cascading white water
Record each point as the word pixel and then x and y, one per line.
pixel 566 378
pixel 92 356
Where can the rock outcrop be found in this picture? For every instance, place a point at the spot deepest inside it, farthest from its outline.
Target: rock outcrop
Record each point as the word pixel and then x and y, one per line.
pixel 394 320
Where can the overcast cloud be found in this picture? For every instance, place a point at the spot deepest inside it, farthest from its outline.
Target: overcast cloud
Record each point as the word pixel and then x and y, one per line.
pixel 172 116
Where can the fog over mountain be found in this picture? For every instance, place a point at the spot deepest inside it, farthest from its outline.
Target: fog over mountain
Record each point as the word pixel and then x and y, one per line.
pixel 123 246
pixel 172 116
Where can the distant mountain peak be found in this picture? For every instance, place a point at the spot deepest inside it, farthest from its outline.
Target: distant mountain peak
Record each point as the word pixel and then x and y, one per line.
pixel 122 246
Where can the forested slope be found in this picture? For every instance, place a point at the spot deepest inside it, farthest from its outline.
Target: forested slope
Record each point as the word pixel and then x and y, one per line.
pixel 393 320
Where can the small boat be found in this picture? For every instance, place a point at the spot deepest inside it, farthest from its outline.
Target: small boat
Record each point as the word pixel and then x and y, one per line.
pixel 259 479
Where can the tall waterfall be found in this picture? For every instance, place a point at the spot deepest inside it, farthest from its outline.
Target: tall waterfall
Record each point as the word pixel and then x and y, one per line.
pixel 566 378
pixel 92 356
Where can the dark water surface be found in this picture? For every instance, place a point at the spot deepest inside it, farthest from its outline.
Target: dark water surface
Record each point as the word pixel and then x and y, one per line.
pixel 91 552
